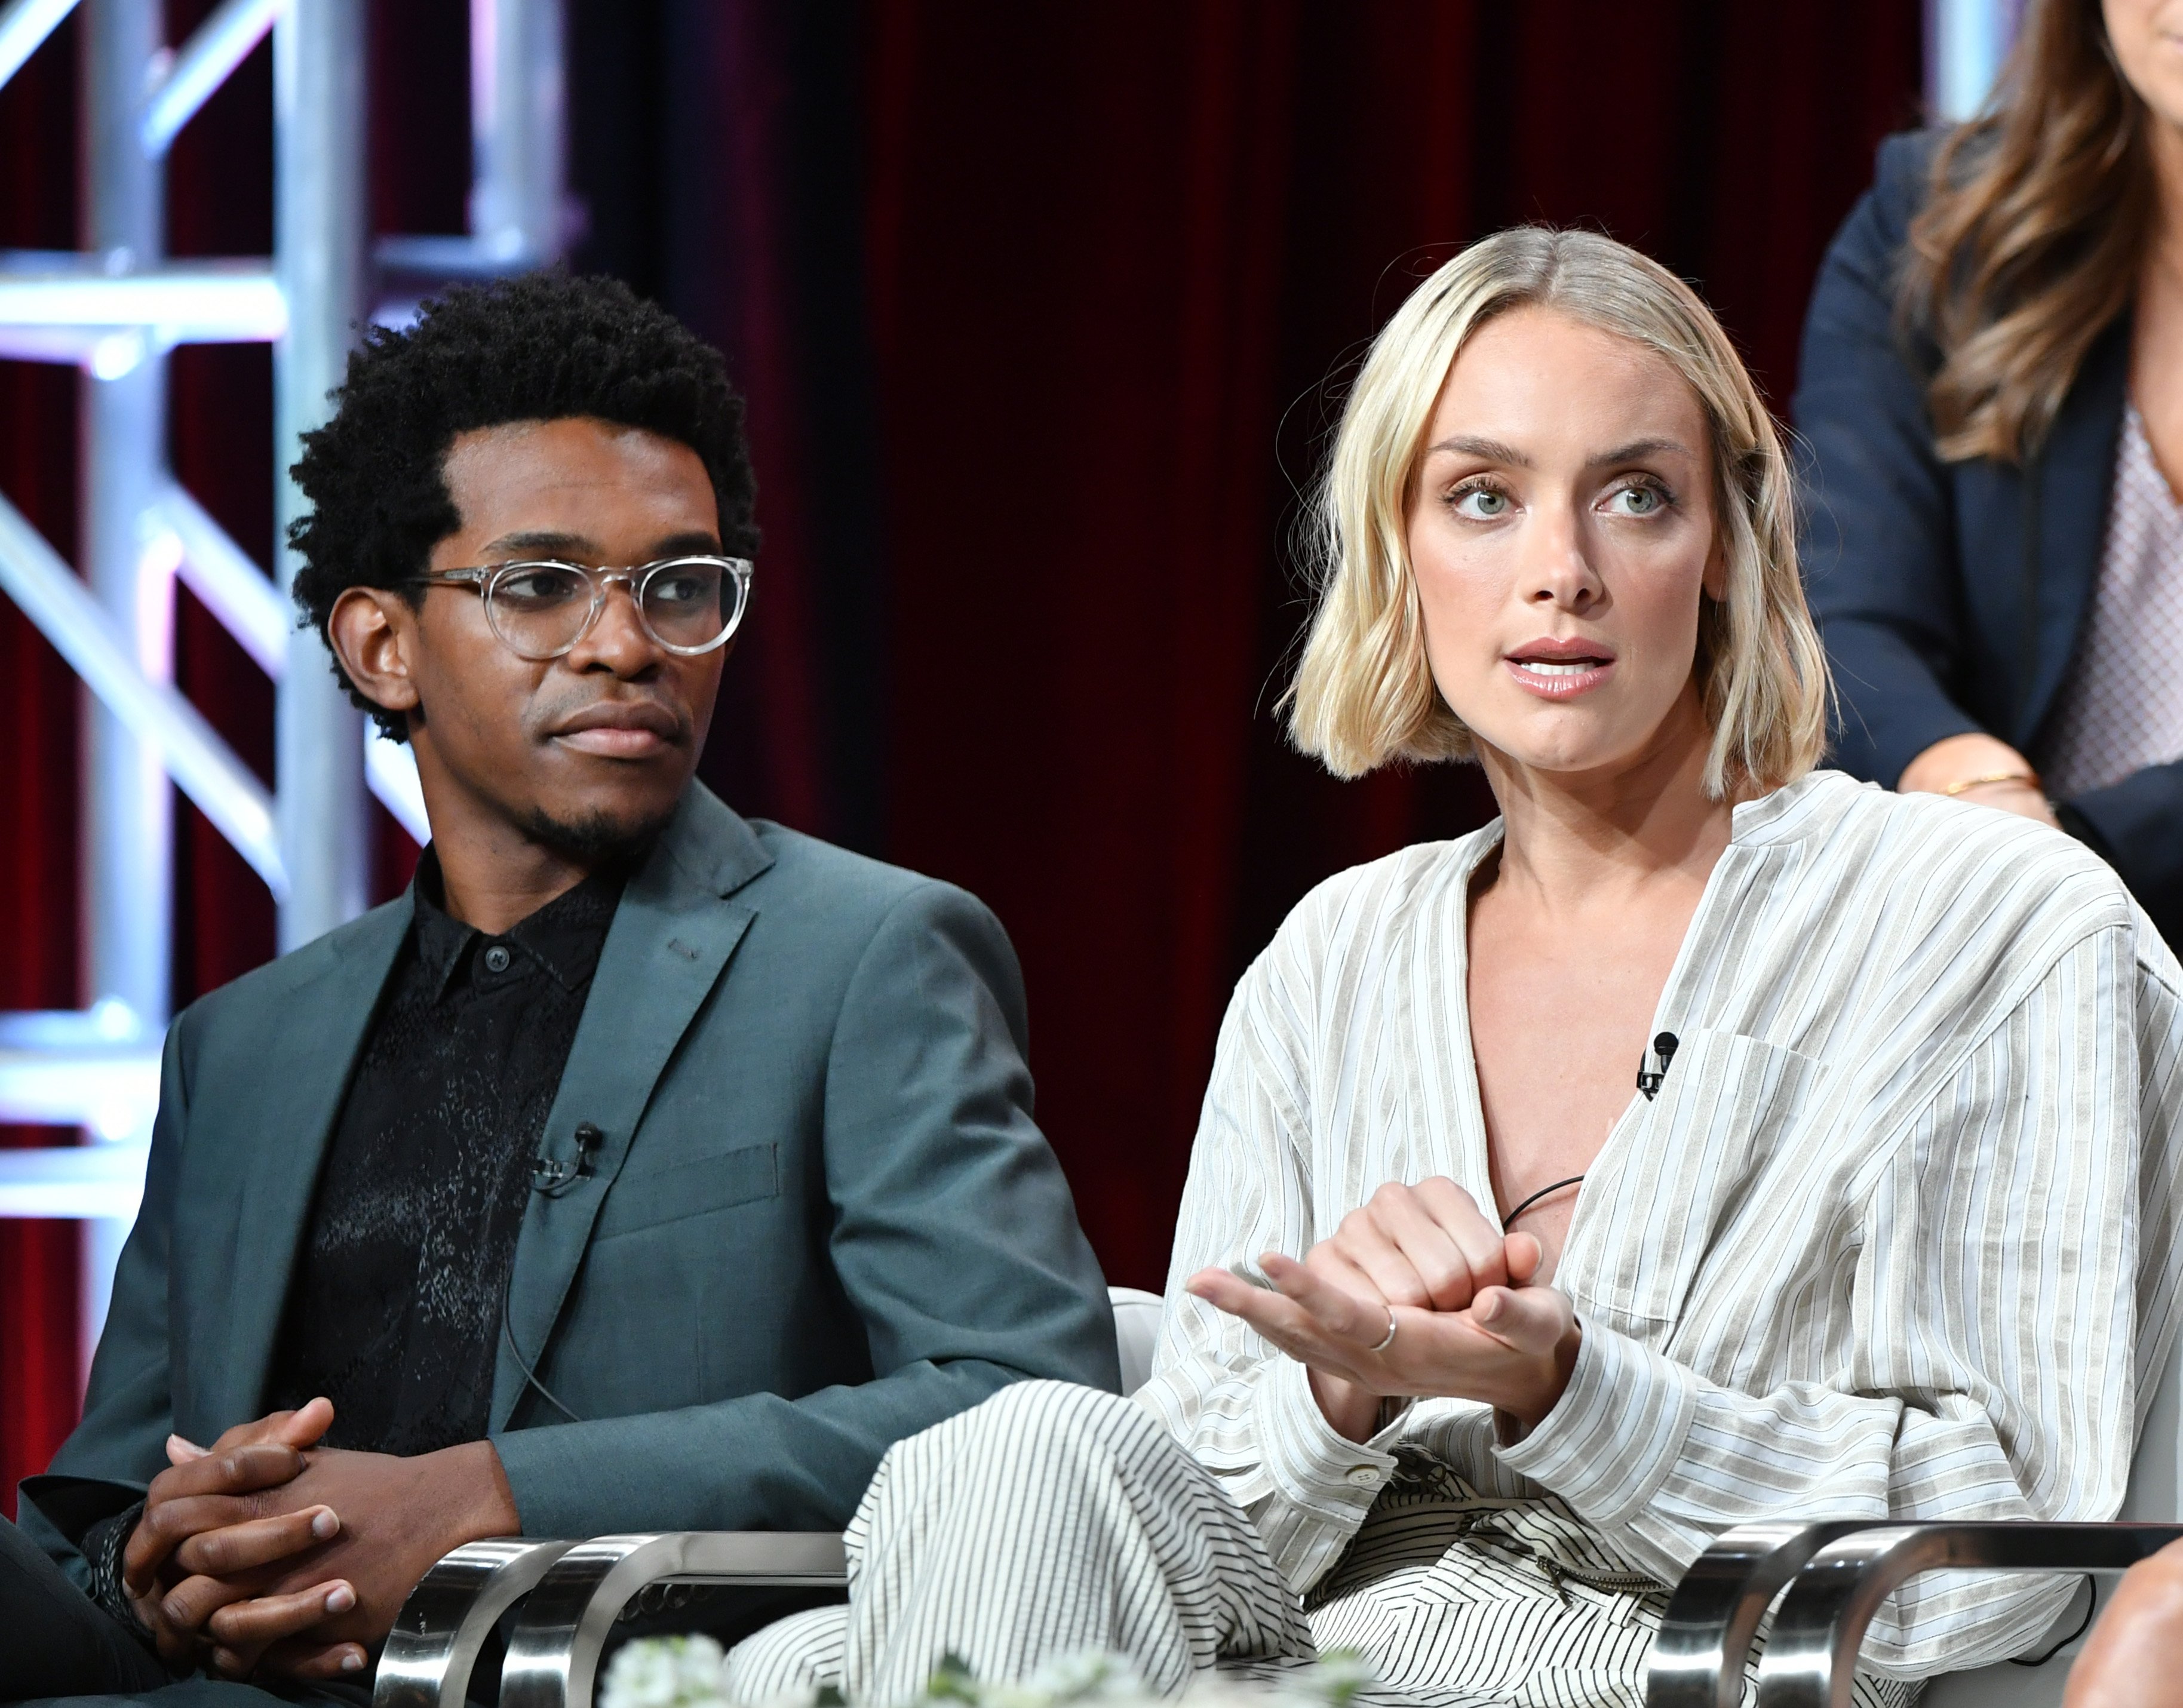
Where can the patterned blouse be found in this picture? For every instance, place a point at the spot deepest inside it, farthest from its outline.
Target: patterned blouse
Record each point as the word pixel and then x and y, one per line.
pixel 1894 1241
pixel 2121 707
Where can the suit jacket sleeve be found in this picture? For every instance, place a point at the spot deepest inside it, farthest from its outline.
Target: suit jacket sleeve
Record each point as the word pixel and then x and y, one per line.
pixel 2134 825
pixel 954 1236
pixel 1879 544
pixel 104 1465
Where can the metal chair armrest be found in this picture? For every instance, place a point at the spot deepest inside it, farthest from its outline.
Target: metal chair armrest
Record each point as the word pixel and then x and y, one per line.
pixel 553 1655
pixel 435 1641
pixel 1811 1654
pixel 1713 1613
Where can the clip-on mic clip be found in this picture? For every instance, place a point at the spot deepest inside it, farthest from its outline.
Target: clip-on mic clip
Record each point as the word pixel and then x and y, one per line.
pixel 552 1176
pixel 1665 1047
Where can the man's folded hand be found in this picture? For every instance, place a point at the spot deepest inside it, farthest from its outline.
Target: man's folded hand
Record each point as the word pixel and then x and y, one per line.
pixel 208 1538
pixel 399 1516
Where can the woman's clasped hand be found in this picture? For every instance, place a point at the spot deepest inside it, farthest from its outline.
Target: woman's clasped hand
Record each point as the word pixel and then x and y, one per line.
pixel 1470 1315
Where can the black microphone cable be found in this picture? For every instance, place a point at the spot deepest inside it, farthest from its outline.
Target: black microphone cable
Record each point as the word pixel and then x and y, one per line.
pixel 550 1179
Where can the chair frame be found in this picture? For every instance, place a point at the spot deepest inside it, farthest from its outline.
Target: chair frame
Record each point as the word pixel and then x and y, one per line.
pixel 436 1636
pixel 1837 1575
pixel 572 1594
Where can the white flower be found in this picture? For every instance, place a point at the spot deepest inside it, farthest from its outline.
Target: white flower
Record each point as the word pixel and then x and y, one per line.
pixel 666 1673
pixel 688 1672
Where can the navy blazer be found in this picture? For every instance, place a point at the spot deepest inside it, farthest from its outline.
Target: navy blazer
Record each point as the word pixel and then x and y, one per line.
pixel 821 1217
pixel 1952 595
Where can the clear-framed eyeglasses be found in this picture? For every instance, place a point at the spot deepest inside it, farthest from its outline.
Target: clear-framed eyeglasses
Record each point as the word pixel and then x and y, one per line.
pixel 542 608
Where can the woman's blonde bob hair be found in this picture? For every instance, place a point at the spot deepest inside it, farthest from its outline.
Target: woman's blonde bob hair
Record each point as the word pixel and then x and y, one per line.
pixel 1365 695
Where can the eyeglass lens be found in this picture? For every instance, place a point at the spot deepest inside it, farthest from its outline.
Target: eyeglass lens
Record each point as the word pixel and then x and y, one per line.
pixel 541 609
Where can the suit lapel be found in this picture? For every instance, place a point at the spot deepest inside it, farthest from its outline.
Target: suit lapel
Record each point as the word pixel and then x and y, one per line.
pixel 2067 491
pixel 672 937
pixel 308 1041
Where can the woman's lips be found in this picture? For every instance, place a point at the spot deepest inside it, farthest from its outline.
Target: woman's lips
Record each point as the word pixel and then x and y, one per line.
pixel 1559 679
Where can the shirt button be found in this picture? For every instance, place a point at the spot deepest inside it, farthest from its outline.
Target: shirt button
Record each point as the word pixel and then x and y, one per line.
pixel 495 959
pixel 1364 1476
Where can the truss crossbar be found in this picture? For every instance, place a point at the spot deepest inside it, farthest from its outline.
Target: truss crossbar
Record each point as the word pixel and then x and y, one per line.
pixel 227 582
pixel 23 26
pixel 112 1089
pixel 182 301
pixel 88 1182
pixel 209 58
pixel 33 575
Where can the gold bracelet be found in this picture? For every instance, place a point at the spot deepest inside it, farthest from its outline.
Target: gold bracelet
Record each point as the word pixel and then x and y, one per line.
pixel 2028 779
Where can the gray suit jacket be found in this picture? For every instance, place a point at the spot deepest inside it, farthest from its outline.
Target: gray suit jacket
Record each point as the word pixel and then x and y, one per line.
pixel 821 1217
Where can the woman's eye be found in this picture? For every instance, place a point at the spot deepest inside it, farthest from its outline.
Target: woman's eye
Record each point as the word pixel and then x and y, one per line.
pixel 1637 500
pixel 1482 503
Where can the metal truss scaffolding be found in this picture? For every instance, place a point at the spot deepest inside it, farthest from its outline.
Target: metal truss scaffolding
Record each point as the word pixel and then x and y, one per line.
pixel 115 309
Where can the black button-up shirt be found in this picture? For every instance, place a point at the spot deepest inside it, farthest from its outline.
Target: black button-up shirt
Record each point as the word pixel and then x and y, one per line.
pixel 400 1289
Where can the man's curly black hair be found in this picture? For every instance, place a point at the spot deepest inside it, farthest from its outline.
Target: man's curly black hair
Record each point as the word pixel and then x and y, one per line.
pixel 540 347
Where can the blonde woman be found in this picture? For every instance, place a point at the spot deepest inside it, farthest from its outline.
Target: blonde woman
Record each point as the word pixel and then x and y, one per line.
pixel 1708 1140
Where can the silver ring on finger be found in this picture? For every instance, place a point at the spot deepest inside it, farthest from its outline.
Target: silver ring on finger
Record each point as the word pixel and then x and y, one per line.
pixel 1392 1326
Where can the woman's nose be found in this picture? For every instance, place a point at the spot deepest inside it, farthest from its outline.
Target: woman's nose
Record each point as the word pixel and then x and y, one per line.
pixel 1556 568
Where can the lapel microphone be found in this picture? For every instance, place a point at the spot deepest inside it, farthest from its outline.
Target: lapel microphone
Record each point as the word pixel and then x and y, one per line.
pixel 1665 1047
pixel 552 1176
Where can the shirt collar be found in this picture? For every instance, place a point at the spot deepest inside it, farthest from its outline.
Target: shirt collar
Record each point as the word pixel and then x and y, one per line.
pixel 565 936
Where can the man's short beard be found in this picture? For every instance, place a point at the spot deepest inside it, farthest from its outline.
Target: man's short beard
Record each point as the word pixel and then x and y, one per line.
pixel 595 838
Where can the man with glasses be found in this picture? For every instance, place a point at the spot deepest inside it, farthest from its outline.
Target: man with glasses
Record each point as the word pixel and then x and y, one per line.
pixel 643 1167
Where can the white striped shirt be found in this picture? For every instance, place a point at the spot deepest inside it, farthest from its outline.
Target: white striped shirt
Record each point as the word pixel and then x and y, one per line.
pixel 1874 1251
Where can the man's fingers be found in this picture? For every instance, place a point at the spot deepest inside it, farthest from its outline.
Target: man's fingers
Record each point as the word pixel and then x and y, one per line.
pixel 240 1470
pixel 169 1523
pixel 252 1624
pixel 305 1657
pixel 194 1601
pixel 265 1429
pixel 307 1425
pixel 171 1520
pixel 227 1663
pixel 180 1451
pixel 301 1428
pixel 1527 1255
pixel 242 1547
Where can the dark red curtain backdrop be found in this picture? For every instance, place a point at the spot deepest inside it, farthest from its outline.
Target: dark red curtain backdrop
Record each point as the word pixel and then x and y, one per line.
pixel 1043 314
pixel 1116 255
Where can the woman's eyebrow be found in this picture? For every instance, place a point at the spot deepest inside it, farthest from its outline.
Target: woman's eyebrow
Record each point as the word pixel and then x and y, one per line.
pixel 1637 449
pixel 1485 449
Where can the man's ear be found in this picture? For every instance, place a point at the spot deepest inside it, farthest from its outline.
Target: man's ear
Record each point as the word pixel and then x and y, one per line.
pixel 372 631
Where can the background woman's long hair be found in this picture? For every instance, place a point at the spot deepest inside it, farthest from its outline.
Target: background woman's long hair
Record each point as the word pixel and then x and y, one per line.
pixel 2030 244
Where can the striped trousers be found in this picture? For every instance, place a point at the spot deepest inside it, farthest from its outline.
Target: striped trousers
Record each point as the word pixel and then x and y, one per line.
pixel 1053 1519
